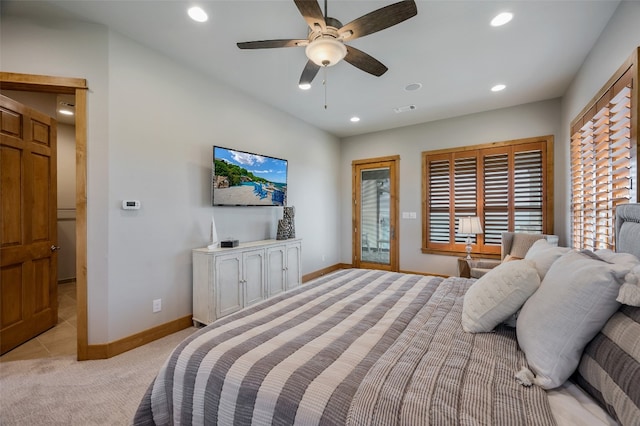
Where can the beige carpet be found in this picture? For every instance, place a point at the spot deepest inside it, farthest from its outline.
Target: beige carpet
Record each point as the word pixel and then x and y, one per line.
pixel 63 391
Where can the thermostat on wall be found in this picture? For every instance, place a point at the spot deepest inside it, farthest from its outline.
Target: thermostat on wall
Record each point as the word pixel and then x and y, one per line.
pixel 130 204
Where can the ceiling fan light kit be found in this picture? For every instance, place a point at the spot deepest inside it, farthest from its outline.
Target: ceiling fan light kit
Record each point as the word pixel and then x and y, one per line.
pixel 326 51
pixel 325 45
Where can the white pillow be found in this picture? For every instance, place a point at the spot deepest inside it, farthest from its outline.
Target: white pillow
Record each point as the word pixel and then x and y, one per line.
pixel 497 295
pixel 630 291
pixel 542 254
pixel 575 299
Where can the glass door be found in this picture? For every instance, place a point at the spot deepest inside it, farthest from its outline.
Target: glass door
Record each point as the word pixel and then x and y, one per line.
pixel 375 214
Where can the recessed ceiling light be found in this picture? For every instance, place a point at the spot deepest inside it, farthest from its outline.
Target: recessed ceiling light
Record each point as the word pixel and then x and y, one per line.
pixel 501 19
pixel 197 14
pixel 498 87
pixel 413 86
pixel 65 112
pixel 304 86
pixel 355 119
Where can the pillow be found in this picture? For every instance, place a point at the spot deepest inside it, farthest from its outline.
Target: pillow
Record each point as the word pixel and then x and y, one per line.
pixel 497 295
pixel 626 259
pixel 575 299
pixel 609 369
pixel 509 258
pixel 542 254
pixel 630 291
pixel 629 294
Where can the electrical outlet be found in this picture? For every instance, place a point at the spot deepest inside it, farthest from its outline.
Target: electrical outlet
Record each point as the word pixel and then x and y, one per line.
pixel 157 305
pixel 323 258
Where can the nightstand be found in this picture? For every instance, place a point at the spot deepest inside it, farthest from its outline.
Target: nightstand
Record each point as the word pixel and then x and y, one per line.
pixel 475 268
pixel 464 270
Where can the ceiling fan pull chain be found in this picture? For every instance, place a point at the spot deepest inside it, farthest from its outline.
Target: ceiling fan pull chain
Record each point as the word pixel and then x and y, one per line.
pixel 324 83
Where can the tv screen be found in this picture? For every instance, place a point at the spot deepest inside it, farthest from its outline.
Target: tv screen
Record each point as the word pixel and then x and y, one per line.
pixel 245 179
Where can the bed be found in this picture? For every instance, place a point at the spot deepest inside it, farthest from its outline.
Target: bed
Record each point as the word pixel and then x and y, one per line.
pixel 363 347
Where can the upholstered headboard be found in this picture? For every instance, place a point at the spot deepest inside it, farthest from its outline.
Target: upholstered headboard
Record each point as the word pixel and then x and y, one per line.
pixel 628 229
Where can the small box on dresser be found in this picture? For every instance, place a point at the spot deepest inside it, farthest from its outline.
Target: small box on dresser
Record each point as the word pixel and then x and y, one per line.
pixel 226 280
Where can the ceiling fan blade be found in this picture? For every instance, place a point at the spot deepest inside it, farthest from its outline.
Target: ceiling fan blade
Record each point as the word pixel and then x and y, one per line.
pixel 311 12
pixel 365 62
pixel 268 44
pixel 309 73
pixel 380 19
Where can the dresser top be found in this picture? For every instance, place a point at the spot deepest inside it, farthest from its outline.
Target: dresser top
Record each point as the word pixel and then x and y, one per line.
pixel 247 245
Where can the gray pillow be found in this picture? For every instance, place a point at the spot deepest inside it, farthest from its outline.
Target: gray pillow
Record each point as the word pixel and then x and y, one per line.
pixel 575 299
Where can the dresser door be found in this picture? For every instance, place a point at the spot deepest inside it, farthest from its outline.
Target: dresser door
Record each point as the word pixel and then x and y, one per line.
pixel 228 272
pixel 275 270
pixel 253 273
pixel 293 265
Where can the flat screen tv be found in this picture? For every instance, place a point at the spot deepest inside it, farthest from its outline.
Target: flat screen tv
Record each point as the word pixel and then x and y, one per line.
pixel 245 179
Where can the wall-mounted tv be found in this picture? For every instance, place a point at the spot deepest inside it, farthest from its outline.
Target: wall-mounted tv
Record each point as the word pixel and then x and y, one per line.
pixel 245 179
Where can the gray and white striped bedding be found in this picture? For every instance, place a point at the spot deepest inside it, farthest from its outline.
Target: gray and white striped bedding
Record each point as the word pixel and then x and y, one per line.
pixel 354 347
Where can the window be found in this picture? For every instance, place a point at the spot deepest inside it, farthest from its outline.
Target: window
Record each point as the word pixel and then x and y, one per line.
pixel 509 185
pixel 604 160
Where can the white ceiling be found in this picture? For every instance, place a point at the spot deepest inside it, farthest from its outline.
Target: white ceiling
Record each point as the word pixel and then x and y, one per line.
pixel 449 47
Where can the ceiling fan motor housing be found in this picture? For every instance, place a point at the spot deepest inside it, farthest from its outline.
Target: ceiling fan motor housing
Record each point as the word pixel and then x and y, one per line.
pixel 326 48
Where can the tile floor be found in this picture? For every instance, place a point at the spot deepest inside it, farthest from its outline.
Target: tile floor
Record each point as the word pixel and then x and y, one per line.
pixel 58 341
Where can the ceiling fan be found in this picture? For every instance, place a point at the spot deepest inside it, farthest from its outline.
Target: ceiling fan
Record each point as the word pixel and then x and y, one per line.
pixel 325 44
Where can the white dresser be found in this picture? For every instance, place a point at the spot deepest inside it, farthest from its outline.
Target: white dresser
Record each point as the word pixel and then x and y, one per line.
pixel 226 280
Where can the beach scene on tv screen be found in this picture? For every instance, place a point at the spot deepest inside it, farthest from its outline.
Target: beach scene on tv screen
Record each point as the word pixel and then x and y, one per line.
pixel 242 178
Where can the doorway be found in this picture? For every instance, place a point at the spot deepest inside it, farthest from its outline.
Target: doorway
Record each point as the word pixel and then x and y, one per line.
pixel 61 338
pixel 78 88
pixel 375 213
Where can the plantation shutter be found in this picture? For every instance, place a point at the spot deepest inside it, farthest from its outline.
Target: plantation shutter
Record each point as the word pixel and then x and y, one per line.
pixel 603 162
pixel 496 200
pixel 528 191
pixel 439 190
pixel 506 186
pixel 465 181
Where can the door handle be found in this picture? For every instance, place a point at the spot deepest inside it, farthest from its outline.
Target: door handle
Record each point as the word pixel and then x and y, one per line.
pixel 54 248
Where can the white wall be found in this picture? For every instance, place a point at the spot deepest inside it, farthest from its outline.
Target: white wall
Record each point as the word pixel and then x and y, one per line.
pixel 616 44
pixel 151 126
pixel 163 122
pixel 537 119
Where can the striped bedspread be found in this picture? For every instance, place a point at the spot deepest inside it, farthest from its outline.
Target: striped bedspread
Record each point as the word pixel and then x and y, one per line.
pixel 354 347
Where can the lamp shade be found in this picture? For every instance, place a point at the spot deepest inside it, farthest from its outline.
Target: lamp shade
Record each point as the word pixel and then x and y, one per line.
pixel 326 51
pixel 469 225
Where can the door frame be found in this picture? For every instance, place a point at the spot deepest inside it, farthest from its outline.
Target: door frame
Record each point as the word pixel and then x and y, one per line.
pixel 394 240
pixel 77 87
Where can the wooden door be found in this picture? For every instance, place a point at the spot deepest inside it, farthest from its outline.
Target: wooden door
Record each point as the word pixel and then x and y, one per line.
pixel 375 213
pixel 28 233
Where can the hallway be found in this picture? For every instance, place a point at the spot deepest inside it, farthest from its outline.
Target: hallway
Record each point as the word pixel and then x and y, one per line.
pixel 60 340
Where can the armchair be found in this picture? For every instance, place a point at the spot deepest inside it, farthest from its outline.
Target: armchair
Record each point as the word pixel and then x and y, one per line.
pixel 513 244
